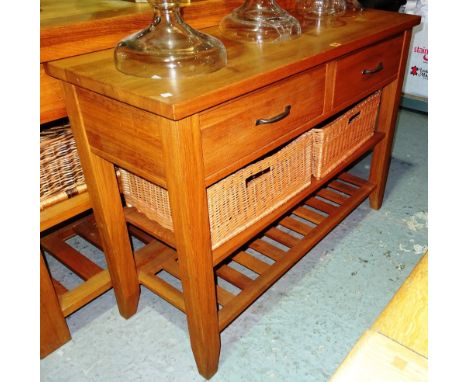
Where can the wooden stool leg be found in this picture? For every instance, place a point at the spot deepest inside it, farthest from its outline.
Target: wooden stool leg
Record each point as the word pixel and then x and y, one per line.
pixel 108 211
pixel 189 206
pixel 54 328
pixel 381 156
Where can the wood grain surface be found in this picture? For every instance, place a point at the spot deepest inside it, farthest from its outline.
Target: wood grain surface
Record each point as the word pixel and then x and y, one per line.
pixel 405 319
pixel 249 67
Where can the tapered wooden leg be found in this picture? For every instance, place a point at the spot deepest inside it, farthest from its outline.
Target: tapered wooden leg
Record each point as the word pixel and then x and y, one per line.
pixel 54 328
pixel 383 151
pixel 108 211
pixel 381 157
pixel 187 195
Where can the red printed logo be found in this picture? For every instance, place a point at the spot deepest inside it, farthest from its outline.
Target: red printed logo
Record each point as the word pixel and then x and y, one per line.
pixel 423 51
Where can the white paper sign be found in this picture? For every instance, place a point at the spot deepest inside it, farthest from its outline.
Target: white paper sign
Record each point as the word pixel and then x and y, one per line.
pixel 416 76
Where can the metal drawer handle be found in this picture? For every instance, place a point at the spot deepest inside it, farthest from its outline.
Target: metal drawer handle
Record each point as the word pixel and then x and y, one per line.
pixel 274 119
pixel 377 69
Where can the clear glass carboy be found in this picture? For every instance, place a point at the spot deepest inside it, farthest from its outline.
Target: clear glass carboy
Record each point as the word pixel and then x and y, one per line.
pixel 260 21
pixel 169 47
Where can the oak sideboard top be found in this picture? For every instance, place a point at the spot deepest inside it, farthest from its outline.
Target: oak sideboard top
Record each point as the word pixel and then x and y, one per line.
pixel 249 66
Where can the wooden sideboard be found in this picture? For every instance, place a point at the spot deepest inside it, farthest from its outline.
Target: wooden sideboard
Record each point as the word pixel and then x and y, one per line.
pixel 186 135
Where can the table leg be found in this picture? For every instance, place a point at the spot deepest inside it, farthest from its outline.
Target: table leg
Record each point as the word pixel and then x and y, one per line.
pixel 381 156
pixel 108 211
pixel 54 328
pixel 189 207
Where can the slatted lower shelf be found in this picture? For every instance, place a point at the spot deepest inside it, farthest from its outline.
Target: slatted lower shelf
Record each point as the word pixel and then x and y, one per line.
pixel 96 280
pixel 249 272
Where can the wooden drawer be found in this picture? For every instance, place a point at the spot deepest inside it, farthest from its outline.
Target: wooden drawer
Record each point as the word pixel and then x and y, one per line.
pixel 361 73
pixel 231 134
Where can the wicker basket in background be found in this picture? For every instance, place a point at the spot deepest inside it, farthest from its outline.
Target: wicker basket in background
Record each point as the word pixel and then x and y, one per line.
pixel 335 142
pixel 239 200
pixel 61 172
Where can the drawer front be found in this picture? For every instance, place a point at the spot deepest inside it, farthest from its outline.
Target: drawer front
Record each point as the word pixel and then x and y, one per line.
pixel 235 133
pixel 366 71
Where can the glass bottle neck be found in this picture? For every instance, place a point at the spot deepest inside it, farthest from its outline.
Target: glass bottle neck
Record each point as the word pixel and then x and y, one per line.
pixel 167 12
pixel 260 4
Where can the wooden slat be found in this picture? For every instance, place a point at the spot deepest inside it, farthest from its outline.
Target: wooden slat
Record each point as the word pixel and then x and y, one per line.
pixel 321 205
pixel 172 268
pixel 66 232
pixel 343 187
pixel 267 249
pixel 350 178
pixel 87 229
pixel 233 276
pixel 59 288
pixel 150 253
pixel 139 234
pixel 150 226
pixel 332 196
pixel 156 264
pixel 84 293
pixel 282 237
pixel 64 210
pixel 224 297
pixel 275 271
pixel 295 225
pixel 70 257
pixel 163 290
pixel 250 262
pixel 309 215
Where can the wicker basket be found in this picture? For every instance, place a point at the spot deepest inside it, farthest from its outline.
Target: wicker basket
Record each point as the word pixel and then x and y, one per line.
pixel 238 200
pixel 61 172
pixel 335 142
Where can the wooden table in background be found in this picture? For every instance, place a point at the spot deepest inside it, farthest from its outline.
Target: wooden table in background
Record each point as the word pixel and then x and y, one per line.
pixel 395 348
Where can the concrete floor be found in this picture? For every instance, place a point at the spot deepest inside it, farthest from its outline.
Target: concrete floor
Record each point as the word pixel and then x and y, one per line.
pixel 299 330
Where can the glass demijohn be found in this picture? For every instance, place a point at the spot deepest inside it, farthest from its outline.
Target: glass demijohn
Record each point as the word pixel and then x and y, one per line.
pixel 260 21
pixel 169 47
pixel 321 8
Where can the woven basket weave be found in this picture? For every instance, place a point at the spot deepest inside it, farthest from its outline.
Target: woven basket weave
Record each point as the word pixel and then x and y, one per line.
pixel 61 172
pixel 335 142
pixel 239 200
